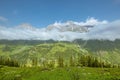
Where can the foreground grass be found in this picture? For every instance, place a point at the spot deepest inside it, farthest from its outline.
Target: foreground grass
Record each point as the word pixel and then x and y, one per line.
pixel 73 73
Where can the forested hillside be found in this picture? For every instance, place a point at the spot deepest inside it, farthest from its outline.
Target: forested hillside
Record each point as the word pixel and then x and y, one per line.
pixel 29 52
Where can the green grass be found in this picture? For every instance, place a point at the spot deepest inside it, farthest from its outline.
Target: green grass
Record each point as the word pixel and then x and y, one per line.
pixel 73 73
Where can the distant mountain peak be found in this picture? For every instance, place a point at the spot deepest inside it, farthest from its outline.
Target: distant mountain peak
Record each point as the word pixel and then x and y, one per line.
pixel 69 26
pixel 26 26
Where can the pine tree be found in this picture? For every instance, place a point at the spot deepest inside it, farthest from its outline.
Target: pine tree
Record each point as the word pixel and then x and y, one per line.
pixel 7 61
pixel 60 62
pixel 51 64
pixel 96 63
pixel 84 60
pixel 72 62
pixel 90 61
pixel 34 61
pixel 1 60
pixel 16 64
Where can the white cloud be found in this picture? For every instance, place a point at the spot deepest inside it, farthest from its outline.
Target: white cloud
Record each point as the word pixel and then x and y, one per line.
pixel 3 19
pixel 92 21
pixel 89 21
pixel 109 31
pixel 101 30
pixel 76 26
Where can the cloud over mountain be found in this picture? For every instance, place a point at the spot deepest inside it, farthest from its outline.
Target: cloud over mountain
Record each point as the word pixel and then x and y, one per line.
pixel 75 26
pixel 70 30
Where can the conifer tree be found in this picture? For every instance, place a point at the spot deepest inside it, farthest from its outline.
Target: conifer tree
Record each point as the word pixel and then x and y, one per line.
pixel 34 61
pixel 90 61
pixel 84 60
pixel 72 62
pixel 60 62
pixel 95 63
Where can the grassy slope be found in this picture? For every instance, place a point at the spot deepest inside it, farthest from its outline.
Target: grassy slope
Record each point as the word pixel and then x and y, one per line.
pixel 11 73
pixel 52 50
pixel 48 51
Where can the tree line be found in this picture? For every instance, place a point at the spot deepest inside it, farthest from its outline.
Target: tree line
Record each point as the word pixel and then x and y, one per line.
pixel 8 62
pixel 80 61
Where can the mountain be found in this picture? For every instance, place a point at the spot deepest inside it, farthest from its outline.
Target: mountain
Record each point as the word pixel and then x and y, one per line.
pixel 95 45
pixel 26 50
pixel 106 49
pixel 69 26
pixel 92 45
pixel 46 51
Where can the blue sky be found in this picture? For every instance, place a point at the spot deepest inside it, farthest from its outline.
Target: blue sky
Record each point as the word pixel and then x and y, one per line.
pixel 41 13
